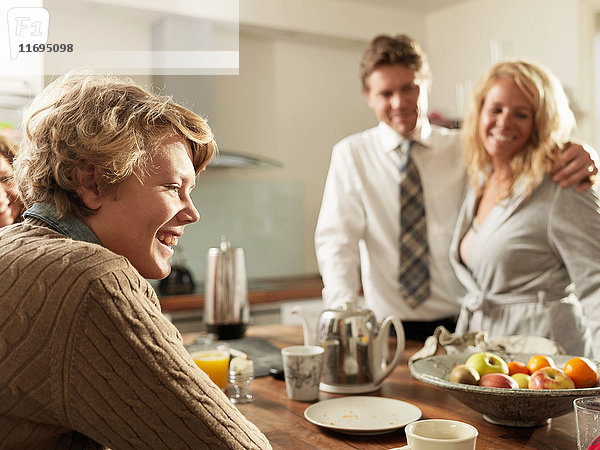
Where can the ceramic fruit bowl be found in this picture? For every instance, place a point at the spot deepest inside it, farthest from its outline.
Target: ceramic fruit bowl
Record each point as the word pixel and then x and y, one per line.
pixel 508 407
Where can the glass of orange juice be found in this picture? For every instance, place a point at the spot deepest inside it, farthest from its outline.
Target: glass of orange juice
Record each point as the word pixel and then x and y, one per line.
pixel 215 364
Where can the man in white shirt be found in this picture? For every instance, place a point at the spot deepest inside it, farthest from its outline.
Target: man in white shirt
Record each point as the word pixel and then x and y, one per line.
pixel 358 230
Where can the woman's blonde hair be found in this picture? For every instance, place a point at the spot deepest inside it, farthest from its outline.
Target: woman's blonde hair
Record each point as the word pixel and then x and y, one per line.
pixel 84 119
pixel 553 123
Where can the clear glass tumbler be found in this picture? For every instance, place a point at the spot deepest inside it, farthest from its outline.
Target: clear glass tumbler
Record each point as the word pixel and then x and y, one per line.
pixel 241 374
pixel 587 421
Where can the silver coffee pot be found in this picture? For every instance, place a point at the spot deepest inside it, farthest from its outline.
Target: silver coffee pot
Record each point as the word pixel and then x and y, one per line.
pixel 356 348
pixel 226 307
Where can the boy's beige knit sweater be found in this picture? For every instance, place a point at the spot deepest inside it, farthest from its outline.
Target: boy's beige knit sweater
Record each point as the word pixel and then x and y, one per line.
pixel 88 360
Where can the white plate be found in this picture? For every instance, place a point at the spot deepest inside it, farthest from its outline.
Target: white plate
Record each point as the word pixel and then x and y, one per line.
pixel 362 414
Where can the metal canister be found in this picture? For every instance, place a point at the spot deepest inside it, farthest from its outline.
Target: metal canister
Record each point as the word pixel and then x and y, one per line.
pixel 226 307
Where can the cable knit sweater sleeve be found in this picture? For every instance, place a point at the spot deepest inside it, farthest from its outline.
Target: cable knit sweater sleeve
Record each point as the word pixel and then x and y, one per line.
pixel 131 383
pixel 87 359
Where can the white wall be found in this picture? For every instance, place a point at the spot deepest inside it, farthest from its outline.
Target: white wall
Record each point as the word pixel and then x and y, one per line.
pixel 589 75
pixel 547 32
pixel 292 101
pixel 352 20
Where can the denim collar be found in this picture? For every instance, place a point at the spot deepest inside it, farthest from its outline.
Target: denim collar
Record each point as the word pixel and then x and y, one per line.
pixel 69 225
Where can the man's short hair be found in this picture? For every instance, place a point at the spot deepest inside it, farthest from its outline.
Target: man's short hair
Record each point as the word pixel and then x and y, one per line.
pixel 398 49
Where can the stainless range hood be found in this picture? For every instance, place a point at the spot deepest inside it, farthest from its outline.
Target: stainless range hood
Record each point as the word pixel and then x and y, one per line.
pixel 231 159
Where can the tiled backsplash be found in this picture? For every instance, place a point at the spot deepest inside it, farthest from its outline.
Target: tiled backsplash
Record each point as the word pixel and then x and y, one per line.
pixel 264 217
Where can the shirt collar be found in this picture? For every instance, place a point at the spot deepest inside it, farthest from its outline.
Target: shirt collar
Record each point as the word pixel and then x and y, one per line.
pixel 390 139
pixel 69 226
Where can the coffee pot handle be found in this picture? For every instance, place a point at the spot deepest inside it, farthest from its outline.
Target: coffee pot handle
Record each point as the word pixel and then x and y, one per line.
pixel 383 370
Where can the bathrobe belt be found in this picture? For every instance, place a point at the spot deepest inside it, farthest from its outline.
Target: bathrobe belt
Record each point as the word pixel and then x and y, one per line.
pixel 477 301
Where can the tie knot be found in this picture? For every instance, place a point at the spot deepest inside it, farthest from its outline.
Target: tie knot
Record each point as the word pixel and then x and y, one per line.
pixel 405 152
pixel 406 145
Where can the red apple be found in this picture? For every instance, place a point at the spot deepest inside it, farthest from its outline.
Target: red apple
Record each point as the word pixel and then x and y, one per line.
pixel 498 380
pixel 550 378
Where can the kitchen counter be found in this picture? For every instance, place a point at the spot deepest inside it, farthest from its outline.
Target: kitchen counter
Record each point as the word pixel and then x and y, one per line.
pixel 259 291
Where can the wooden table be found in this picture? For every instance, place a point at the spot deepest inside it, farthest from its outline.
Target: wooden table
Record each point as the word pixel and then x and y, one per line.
pixel 282 419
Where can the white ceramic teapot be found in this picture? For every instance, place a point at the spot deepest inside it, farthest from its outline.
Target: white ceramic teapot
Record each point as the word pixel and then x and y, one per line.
pixel 356 348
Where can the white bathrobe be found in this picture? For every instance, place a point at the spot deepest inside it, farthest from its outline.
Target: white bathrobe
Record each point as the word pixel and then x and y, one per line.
pixel 532 266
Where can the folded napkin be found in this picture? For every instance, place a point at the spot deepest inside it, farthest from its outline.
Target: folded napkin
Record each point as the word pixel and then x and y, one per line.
pixel 477 341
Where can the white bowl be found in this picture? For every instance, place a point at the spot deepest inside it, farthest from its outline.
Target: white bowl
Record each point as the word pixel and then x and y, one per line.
pixel 509 407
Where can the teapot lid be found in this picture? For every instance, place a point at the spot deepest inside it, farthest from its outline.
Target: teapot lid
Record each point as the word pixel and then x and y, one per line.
pixel 225 244
pixel 348 308
pixel 349 304
pixel 224 247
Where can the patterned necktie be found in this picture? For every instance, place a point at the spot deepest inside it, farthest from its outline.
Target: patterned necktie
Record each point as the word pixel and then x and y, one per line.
pixel 414 272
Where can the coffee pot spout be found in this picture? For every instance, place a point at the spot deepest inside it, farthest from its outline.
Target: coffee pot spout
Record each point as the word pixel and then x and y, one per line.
pixel 309 331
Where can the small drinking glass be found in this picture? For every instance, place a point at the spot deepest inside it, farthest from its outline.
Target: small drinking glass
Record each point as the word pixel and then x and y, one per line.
pixel 241 374
pixel 587 421
pixel 214 363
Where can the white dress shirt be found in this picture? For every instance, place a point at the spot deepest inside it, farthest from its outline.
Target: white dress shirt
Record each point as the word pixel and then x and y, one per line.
pixel 358 228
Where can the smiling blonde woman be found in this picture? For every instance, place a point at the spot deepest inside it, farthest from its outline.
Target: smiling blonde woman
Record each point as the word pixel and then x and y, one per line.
pixel 106 170
pixel 527 250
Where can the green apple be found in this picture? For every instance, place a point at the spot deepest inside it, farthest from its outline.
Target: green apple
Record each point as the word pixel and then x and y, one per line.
pixel 522 379
pixel 486 362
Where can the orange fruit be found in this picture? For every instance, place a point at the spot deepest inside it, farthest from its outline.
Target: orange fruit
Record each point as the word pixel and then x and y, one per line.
pixel 582 371
pixel 517 367
pixel 538 361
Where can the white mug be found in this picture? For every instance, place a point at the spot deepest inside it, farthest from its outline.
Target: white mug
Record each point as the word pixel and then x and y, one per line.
pixel 302 366
pixel 440 434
